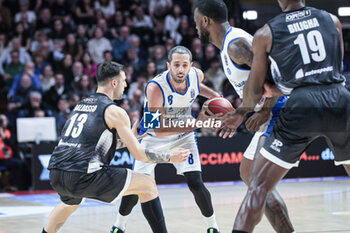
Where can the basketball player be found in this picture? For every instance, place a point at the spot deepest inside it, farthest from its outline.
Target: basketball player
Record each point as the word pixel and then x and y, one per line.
pixel 305 47
pixel 79 164
pixel 174 91
pixel 236 54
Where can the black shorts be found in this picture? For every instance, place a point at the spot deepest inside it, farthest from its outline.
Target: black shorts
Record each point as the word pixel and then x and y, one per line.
pixel 106 184
pixel 311 112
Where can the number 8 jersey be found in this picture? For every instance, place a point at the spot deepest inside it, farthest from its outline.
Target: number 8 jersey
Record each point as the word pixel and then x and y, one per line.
pixel 86 142
pixel 306 49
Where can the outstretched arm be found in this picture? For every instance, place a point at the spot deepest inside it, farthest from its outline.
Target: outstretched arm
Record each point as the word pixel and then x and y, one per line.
pixel 122 125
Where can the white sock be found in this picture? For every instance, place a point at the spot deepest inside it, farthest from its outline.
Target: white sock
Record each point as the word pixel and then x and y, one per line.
pixel 121 221
pixel 211 222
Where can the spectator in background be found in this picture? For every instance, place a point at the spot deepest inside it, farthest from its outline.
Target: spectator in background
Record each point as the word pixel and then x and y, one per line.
pixel 196 49
pixel 107 7
pixel 72 47
pixel 47 79
pixel 58 33
pixel 82 37
pixel 23 35
pixel 151 70
pixel 84 88
pixel 159 58
pixel 77 71
pixel 63 112
pixel 215 74
pixel 132 58
pixel 24 10
pixel 35 103
pixel 209 55
pixel 61 9
pixel 186 32
pixel 159 34
pixel 40 37
pixel 89 66
pixel 141 21
pixel 102 23
pixel 169 44
pixel 107 55
pixel 44 21
pixel 134 115
pixel 40 62
pixel 5 57
pixel 158 8
pixel 66 69
pixel 12 69
pixel 172 22
pixel 52 96
pixel 116 23
pixel 140 84
pixel 23 82
pixel 84 12
pixel 7 157
pixel 136 101
pixel 3 41
pixel 97 45
pixel 121 43
pixel 5 16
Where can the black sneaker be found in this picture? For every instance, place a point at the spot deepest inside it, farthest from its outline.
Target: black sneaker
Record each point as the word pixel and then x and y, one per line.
pixel 212 230
pixel 117 230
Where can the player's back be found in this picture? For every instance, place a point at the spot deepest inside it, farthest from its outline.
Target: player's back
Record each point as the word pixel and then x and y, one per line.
pixel 86 142
pixel 306 49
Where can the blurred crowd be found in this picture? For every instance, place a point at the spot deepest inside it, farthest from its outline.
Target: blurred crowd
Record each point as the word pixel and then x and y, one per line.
pixel 49 51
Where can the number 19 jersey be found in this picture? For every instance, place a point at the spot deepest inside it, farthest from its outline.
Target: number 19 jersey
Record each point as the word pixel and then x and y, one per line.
pixel 86 142
pixel 306 49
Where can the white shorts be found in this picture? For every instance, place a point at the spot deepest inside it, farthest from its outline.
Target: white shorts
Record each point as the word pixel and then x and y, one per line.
pixel 251 149
pixel 167 143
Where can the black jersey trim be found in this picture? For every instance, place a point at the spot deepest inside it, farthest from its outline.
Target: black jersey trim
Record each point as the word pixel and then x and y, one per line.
pixel 273 38
pixel 104 119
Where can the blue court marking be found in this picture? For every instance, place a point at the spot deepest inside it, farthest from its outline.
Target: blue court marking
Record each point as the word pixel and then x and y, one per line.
pixel 229 183
pixel 52 200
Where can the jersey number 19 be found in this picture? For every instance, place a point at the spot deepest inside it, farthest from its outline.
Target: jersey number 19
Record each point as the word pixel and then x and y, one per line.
pixel 316 45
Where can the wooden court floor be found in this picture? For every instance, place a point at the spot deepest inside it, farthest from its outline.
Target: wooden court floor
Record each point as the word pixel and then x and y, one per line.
pixel 317 205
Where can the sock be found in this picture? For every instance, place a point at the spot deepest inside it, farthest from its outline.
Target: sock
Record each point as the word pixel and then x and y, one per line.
pixel 153 212
pixel 211 222
pixel 121 221
pixel 44 231
pixel 235 231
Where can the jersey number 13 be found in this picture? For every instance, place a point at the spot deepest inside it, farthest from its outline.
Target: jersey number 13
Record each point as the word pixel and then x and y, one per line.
pixel 75 131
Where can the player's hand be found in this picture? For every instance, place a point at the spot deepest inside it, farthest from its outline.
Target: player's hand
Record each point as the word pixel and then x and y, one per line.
pixel 134 130
pixel 179 155
pixel 230 122
pixel 203 116
pixel 271 90
pixel 256 120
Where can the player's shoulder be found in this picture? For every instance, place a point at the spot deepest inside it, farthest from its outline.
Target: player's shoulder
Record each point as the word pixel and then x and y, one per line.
pixel 115 112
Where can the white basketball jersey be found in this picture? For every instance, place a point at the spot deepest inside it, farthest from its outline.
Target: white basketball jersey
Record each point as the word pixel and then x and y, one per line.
pixel 236 75
pixel 176 104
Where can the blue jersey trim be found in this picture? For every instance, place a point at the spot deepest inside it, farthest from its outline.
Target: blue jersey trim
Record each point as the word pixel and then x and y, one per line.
pixel 276 110
pixel 171 86
pixel 240 68
pixel 223 42
pixel 199 90
pixel 152 81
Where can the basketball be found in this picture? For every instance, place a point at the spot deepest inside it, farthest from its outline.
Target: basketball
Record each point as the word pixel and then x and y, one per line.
pixel 218 105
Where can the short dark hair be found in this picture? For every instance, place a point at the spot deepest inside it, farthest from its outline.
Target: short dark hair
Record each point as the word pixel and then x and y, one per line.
pixel 179 49
pixel 214 9
pixel 107 70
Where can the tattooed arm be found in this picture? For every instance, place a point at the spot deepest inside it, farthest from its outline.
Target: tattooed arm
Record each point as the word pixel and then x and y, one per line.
pixel 117 118
pixel 241 52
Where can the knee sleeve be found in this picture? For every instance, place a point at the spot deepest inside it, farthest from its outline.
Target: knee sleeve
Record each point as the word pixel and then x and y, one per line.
pixel 127 204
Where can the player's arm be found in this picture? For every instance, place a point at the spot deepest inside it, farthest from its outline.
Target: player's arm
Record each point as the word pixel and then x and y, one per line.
pixel 204 90
pixel 117 118
pixel 254 87
pixel 241 52
pixel 339 27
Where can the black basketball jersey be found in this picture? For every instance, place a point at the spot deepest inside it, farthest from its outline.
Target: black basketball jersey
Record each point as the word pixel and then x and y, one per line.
pixel 306 49
pixel 86 142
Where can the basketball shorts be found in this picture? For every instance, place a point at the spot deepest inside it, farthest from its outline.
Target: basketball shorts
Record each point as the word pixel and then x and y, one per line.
pixel 167 143
pixel 107 184
pixel 265 129
pixel 311 112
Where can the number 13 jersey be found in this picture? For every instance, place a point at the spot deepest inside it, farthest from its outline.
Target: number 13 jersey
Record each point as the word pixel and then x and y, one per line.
pixel 86 142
